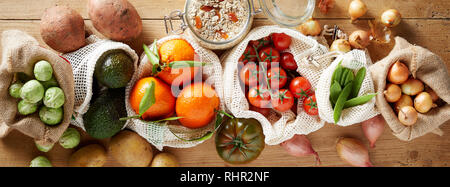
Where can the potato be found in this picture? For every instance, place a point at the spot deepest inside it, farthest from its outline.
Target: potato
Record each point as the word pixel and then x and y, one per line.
pixel 62 28
pixel 165 160
pixel 130 149
pixel 93 155
pixel 116 19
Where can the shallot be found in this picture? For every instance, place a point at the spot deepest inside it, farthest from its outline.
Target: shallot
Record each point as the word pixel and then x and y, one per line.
pixel 353 152
pixel 407 115
pixel 359 39
pixel 392 93
pixel 300 146
pixel 391 18
pixel 310 28
pixel 356 9
pixel 423 102
pixel 340 45
pixel 398 73
pixel 412 87
pixel 373 128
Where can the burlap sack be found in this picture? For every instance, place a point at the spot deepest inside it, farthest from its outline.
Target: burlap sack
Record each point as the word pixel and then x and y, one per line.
pixel 353 60
pixel 278 127
pixel 20 53
pixel 159 135
pixel 425 66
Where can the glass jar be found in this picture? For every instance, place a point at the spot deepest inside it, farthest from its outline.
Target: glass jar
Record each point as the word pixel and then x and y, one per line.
pixel 288 13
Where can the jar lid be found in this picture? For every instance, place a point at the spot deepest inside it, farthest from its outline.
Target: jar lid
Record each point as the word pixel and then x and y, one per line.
pixel 288 13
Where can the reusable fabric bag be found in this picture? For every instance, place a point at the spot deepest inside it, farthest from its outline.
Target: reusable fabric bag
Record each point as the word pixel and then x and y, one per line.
pixel 20 53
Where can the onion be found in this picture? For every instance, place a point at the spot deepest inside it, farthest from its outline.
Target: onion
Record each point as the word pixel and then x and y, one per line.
pixel 392 93
pixel 353 152
pixel 340 45
pixel 359 39
pixel 373 128
pixel 356 9
pixel 300 146
pixel 434 96
pixel 391 18
pixel 407 115
pixel 423 102
pixel 405 100
pixel 398 73
pixel 412 87
pixel 310 28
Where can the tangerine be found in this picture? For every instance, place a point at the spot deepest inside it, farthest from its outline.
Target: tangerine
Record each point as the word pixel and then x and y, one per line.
pixel 197 105
pixel 164 105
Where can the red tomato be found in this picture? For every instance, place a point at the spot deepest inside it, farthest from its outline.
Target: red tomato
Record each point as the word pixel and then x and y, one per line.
pixel 300 87
pixel 310 105
pixel 263 42
pixel 263 111
pixel 277 78
pixel 269 55
pixel 248 56
pixel 250 74
pixel 282 100
pixel 288 62
pixel 259 97
pixel 281 41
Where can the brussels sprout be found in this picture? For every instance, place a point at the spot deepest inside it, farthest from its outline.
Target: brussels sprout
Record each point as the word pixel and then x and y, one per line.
pixel 51 116
pixel 22 77
pixel 54 97
pixel 40 161
pixel 43 148
pixel 50 83
pixel 43 71
pixel 14 90
pixel 26 108
pixel 32 91
pixel 70 138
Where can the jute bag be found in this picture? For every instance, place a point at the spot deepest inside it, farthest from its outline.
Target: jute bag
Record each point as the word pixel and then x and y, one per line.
pixel 278 127
pixel 160 135
pixel 20 53
pixel 83 65
pixel 425 66
pixel 353 60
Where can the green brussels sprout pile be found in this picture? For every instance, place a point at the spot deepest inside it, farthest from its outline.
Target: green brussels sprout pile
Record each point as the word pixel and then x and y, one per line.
pixel 41 93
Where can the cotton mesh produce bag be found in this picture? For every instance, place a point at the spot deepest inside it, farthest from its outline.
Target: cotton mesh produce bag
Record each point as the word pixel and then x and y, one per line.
pixel 425 66
pixel 278 126
pixel 20 53
pixel 83 63
pixel 354 60
pixel 160 135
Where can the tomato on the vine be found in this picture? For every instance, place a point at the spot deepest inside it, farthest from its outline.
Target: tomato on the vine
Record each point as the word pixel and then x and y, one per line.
pixel 269 55
pixel 288 62
pixel 259 97
pixel 310 105
pixel 263 42
pixel 281 41
pixel 249 55
pixel 282 100
pixel 300 87
pixel 277 78
pixel 250 74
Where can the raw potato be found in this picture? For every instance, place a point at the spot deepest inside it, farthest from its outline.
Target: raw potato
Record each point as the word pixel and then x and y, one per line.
pixel 165 160
pixel 62 28
pixel 116 19
pixel 130 149
pixel 92 155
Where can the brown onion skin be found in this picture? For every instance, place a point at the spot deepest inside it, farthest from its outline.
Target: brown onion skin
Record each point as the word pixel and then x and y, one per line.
pixel 373 128
pixel 300 146
pixel 423 102
pixel 433 94
pixel 407 115
pixel 405 100
pixel 359 39
pixel 392 93
pixel 412 87
pixel 398 73
pixel 353 152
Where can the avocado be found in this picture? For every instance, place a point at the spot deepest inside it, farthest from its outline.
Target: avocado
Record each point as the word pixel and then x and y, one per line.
pixel 102 120
pixel 114 69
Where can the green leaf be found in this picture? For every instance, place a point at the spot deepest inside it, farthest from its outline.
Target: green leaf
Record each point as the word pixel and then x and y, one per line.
pixel 152 57
pixel 186 64
pixel 168 119
pixel 148 100
pixel 154 49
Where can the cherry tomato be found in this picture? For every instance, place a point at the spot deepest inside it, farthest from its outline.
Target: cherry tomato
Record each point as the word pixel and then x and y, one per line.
pixel 282 100
pixel 277 78
pixel 281 41
pixel 263 42
pixel 263 111
pixel 269 55
pixel 250 74
pixel 288 62
pixel 248 56
pixel 310 105
pixel 259 97
pixel 300 87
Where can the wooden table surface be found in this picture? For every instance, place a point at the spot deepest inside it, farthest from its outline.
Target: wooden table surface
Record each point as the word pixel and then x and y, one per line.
pixel 425 23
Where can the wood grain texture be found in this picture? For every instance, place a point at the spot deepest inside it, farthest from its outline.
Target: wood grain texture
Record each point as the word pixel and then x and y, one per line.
pixel 426 24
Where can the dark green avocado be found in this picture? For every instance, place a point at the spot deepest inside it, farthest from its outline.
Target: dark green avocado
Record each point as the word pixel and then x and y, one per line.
pixel 114 69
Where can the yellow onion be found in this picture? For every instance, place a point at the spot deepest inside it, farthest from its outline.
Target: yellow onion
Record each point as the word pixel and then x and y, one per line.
pixel 405 100
pixel 423 102
pixel 398 73
pixel 310 28
pixel 391 18
pixel 392 93
pixel 353 152
pixel 434 96
pixel 407 115
pixel 341 45
pixel 412 87
pixel 356 9
pixel 359 39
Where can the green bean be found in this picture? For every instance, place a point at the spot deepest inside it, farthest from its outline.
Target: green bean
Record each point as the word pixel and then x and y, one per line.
pixel 337 74
pixel 358 100
pixel 358 82
pixel 335 90
pixel 345 72
pixel 341 101
pixel 350 77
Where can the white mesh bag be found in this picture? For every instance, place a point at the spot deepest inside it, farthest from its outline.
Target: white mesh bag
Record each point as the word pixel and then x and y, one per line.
pixel 353 60
pixel 278 127
pixel 83 65
pixel 160 135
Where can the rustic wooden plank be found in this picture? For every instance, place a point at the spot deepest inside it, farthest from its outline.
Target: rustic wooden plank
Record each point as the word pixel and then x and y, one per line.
pixel 26 9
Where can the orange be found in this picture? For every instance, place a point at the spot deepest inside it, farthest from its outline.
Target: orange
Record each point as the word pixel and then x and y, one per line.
pixel 164 105
pixel 197 104
pixel 177 50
